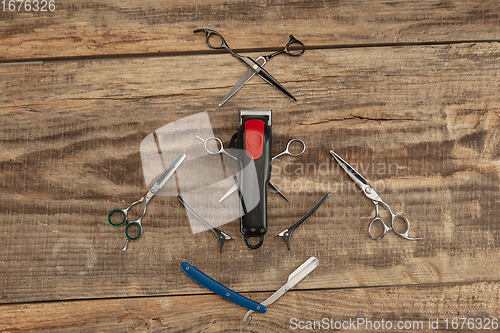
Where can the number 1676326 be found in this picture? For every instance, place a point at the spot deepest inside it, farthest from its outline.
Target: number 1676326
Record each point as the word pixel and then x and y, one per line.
pixel 28 5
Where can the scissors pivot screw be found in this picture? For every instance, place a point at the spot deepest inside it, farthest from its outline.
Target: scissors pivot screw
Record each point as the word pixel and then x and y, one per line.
pixel 368 190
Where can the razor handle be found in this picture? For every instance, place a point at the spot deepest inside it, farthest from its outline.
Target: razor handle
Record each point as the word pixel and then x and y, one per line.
pixel 254 145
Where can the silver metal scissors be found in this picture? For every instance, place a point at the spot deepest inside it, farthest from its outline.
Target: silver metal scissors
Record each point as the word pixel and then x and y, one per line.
pixel 285 152
pixel 371 194
pixel 262 60
pixel 252 65
pixel 221 150
pixel 162 180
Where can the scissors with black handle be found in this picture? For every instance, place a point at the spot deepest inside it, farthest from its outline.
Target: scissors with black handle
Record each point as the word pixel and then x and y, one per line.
pixel 261 61
pixel 123 213
pixel 371 194
pixel 252 65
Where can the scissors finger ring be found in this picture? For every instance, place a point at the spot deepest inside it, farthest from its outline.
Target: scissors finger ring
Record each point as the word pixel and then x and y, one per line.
pixel 405 233
pixel 221 149
pixel 209 33
pixel 287 150
pixel 385 226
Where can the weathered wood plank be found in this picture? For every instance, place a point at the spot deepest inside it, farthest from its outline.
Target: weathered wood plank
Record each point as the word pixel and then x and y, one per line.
pixel 102 28
pixel 412 306
pixel 70 153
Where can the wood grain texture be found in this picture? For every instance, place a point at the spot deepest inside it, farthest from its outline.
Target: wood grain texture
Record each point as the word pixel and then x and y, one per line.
pixel 110 28
pixel 70 153
pixel 411 305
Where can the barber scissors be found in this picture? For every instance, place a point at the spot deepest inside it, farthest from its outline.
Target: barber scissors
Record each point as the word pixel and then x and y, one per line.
pixel 162 180
pixel 252 65
pixel 371 194
pixel 273 187
pixel 262 60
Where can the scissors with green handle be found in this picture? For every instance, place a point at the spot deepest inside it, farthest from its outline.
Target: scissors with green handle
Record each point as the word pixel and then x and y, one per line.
pixel 116 221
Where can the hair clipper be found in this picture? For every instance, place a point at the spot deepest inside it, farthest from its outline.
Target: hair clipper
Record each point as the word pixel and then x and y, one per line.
pixel 254 145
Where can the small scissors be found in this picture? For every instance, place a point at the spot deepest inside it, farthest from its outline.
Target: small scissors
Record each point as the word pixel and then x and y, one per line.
pixel 371 194
pixel 269 184
pixel 252 65
pixel 262 60
pixel 162 180
pixel 223 151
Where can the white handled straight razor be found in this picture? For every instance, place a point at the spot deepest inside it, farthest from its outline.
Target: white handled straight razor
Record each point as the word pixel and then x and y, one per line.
pixel 294 278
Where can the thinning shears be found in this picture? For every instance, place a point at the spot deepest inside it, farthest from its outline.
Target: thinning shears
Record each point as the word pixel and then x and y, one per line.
pixel 269 184
pixel 114 221
pixel 371 194
pixel 255 67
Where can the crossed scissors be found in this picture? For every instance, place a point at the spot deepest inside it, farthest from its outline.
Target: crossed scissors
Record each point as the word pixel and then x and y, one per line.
pixel 255 67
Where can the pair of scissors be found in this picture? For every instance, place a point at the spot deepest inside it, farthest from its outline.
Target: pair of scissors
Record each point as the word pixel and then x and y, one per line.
pixel 223 151
pixel 371 194
pixel 252 65
pixel 261 61
pixel 162 180
pixel 269 184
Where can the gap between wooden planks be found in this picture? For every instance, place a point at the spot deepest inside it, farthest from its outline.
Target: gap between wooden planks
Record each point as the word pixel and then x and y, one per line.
pixel 410 305
pixel 112 28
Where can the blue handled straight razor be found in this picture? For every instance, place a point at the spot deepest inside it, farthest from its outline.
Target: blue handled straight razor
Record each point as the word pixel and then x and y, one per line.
pixel 220 289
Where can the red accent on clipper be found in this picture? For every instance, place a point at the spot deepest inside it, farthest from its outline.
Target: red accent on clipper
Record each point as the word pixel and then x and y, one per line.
pixel 254 138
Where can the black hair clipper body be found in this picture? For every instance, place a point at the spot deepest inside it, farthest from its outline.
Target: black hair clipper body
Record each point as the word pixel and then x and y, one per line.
pixel 254 144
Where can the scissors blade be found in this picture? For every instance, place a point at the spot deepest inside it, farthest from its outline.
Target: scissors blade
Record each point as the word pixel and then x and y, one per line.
pixel 229 192
pixel 269 184
pixel 265 75
pixel 355 176
pixel 277 191
pixel 298 275
pixel 261 61
pixel 165 176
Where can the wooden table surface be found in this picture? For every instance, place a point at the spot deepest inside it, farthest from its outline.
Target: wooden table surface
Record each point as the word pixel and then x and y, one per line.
pixel 406 90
